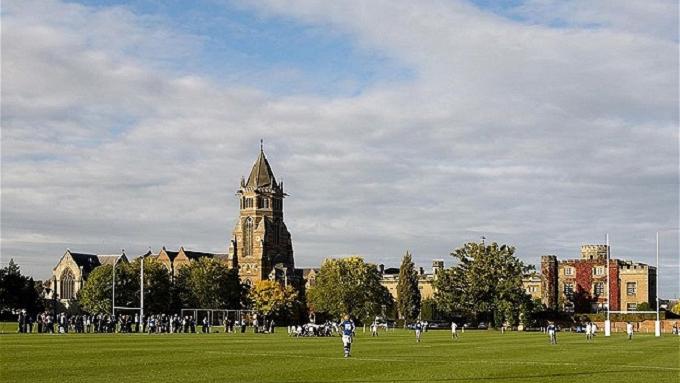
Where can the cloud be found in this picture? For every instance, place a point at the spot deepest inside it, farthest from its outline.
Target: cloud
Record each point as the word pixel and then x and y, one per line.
pixel 538 136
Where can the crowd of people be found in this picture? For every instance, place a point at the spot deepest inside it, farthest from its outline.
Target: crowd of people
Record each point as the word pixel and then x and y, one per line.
pixel 63 323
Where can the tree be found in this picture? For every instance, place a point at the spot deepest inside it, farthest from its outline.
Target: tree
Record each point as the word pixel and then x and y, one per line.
pixel 270 298
pixel 209 284
pixel 349 286
pixel 157 286
pixel 485 284
pixel 18 291
pixel 676 308
pixel 408 294
pixel 95 296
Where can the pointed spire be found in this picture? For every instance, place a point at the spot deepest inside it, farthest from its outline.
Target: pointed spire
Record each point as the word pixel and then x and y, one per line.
pixel 261 175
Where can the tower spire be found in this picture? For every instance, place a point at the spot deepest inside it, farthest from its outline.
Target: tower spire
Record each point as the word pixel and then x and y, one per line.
pixel 261 145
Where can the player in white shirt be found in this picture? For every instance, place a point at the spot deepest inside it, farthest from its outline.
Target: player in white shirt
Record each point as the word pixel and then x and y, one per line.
pixel 552 333
pixel 454 330
pixel 629 330
pixel 589 334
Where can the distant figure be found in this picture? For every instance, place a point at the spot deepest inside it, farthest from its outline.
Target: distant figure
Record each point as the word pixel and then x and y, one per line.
pixel 374 329
pixel 454 330
pixel 629 330
pixel 347 327
pixel 589 332
pixel 419 329
pixel 552 333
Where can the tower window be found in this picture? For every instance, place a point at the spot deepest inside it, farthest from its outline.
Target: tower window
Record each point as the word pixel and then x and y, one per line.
pixel 248 237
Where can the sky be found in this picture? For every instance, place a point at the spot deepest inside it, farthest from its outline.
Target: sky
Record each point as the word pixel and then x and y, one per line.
pixel 395 125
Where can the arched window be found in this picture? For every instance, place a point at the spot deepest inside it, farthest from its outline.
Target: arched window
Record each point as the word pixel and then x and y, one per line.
pixel 248 237
pixel 68 281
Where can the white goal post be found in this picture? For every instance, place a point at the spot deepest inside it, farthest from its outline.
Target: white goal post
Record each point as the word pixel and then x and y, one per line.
pixel 657 323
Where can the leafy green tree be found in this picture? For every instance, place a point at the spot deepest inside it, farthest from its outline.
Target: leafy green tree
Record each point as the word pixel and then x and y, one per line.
pixel 207 283
pixel 157 286
pixel 408 294
pixel 95 295
pixel 486 283
pixel 18 291
pixel 349 286
pixel 270 298
pixel 644 306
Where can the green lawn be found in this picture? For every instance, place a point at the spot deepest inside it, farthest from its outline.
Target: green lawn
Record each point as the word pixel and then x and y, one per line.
pixel 392 357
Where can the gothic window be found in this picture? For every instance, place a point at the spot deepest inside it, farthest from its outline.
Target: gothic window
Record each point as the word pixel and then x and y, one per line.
pixel 68 281
pixel 265 203
pixel 248 237
pixel 599 270
pixel 631 288
pixel 568 271
pixel 569 290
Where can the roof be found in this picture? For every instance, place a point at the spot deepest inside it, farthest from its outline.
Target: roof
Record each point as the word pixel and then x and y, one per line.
pixel 110 259
pixel 85 261
pixel 261 175
pixel 197 254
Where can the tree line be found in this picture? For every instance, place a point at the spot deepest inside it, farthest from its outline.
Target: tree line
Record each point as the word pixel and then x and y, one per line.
pixel 483 284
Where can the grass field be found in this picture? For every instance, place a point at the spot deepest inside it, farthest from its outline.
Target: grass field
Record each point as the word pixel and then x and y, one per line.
pixel 392 357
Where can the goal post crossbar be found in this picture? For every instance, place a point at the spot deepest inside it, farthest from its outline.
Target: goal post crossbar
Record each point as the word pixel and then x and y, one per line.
pixel 632 312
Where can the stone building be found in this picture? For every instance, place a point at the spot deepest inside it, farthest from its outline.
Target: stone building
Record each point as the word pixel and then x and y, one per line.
pixel 261 246
pixel 173 261
pixel 581 284
pixel 72 270
pixel 532 285
pixel 390 279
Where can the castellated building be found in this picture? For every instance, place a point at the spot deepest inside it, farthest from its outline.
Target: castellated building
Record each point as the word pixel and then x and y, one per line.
pixel 260 246
pixel 580 285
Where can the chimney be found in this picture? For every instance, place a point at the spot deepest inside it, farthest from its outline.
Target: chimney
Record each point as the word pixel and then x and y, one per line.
pixel 421 271
pixel 381 268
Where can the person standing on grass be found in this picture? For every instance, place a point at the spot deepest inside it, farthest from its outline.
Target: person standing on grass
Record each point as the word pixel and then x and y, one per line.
pixel 589 334
pixel 629 330
pixel 454 330
pixel 347 327
pixel 374 329
pixel 419 329
pixel 552 333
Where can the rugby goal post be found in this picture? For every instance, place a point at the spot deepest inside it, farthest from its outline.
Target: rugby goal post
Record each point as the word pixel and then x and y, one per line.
pixel 657 322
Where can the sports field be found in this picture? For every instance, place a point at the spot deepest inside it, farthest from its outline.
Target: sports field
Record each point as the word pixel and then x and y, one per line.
pixel 391 357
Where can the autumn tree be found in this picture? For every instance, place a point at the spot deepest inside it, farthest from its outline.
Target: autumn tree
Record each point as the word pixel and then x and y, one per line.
pixel 270 298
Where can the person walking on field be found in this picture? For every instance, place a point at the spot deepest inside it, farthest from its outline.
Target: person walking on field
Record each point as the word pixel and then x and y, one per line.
pixel 347 327
pixel 552 333
pixel 419 330
pixel 454 330
pixel 629 330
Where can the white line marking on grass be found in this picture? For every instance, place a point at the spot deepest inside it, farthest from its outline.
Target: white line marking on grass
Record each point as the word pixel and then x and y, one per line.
pixel 410 359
